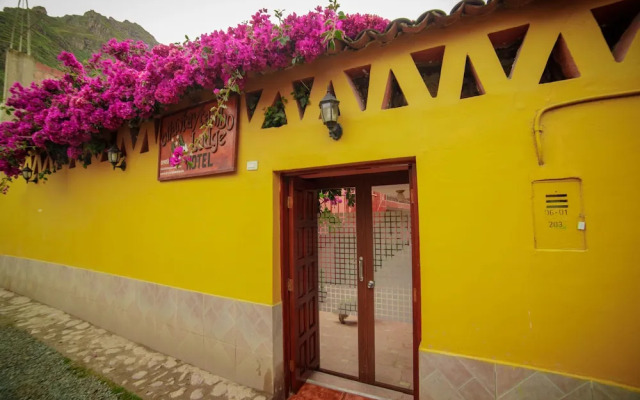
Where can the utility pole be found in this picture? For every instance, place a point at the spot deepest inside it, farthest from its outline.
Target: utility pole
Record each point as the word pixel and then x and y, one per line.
pixel 19 18
pixel 28 28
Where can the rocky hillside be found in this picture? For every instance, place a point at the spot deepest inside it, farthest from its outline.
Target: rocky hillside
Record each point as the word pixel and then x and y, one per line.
pixel 82 35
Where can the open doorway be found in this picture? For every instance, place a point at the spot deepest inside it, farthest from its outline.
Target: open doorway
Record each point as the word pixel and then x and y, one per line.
pixel 351 274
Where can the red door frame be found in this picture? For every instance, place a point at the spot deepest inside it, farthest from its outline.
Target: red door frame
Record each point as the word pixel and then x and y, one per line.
pixel 347 170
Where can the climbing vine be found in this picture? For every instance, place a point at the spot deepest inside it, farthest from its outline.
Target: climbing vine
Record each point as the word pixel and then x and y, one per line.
pixel 74 117
pixel 274 115
pixel 328 198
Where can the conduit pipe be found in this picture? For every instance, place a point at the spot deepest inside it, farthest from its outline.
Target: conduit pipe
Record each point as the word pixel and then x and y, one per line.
pixel 537 128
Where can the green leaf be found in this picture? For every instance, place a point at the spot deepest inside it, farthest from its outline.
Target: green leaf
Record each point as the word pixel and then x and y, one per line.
pixel 338 35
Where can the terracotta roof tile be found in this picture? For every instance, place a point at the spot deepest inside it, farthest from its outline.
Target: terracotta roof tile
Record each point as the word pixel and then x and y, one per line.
pixel 428 20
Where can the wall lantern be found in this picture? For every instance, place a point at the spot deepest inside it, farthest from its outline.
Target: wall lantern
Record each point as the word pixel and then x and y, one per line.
pixel 115 155
pixel 27 173
pixel 330 111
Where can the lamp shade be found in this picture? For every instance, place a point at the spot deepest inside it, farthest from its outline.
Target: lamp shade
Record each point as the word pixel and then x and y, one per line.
pixel 329 109
pixel 27 173
pixel 113 154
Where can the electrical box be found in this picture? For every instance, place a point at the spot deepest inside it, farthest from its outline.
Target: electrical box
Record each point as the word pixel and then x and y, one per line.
pixel 559 222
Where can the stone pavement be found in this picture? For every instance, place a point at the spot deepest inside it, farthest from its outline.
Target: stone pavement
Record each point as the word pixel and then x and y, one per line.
pixel 149 374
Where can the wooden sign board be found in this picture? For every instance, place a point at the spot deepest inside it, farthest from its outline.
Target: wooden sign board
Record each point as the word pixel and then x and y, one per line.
pixel 219 143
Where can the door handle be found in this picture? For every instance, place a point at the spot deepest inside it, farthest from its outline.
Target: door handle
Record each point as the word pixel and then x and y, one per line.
pixel 371 284
pixel 360 262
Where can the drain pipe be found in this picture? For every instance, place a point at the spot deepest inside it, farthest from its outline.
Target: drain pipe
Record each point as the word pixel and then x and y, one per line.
pixel 537 128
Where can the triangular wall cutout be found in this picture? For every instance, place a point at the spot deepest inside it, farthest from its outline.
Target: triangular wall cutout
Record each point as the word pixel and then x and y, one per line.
pixel 156 128
pixel 393 96
pixel 72 163
pixel 471 85
pixel 560 65
pixel 359 81
pixel 616 22
pixel 274 115
pixel 133 132
pixel 301 92
pixel 145 143
pixel 507 44
pixel 123 148
pixel 251 100
pixel 103 156
pixel 429 64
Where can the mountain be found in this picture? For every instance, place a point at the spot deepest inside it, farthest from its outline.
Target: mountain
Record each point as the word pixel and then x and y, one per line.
pixel 82 35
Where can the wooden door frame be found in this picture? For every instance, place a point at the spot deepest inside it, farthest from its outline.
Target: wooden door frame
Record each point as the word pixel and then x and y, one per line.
pixel 335 175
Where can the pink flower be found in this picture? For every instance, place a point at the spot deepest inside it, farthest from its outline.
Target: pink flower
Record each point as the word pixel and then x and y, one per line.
pixel 178 151
pixel 128 81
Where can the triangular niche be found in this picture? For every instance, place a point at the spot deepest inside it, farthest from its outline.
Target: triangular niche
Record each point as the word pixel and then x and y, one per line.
pixel 560 65
pixel 616 22
pixel 251 100
pixel 301 93
pixel 156 129
pixel 471 85
pixel 393 96
pixel 429 64
pixel 145 142
pixel 359 81
pixel 123 149
pixel 507 45
pixel 274 115
pixel 133 133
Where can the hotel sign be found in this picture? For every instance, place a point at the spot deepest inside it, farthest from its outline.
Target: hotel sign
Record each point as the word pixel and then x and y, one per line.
pixel 218 150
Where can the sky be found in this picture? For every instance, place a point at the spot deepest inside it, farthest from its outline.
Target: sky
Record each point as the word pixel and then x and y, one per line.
pixel 169 20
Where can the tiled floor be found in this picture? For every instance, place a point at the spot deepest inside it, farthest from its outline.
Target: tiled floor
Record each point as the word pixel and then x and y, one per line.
pixel 393 353
pixel 313 392
pixel 355 387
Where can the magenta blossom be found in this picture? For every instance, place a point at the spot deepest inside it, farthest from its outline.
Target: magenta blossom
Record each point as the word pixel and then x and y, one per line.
pixel 127 81
pixel 176 157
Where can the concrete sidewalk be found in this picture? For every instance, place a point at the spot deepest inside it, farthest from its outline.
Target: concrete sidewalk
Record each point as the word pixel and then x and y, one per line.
pixel 149 374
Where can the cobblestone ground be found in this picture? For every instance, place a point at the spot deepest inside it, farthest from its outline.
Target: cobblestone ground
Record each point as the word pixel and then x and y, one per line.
pixel 30 370
pixel 149 374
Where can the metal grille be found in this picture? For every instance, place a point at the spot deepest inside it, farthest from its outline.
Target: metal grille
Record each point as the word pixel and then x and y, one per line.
pixel 338 267
pixel 337 252
pixel 391 234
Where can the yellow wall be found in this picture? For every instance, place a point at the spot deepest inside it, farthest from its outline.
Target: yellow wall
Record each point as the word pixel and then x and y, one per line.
pixel 486 292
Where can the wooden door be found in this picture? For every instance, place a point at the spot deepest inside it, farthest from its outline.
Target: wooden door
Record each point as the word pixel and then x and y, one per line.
pixel 301 272
pixel 302 283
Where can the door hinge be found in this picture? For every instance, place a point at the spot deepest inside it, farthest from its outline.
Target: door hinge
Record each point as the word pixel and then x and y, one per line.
pixel 415 295
pixel 412 196
pixel 292 366
pixel 290 285
pixel 290 202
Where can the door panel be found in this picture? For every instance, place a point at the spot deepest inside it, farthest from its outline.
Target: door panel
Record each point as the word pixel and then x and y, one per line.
pixel 338 286
pixel 365 295
pixel 303 264
pixel 392 271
